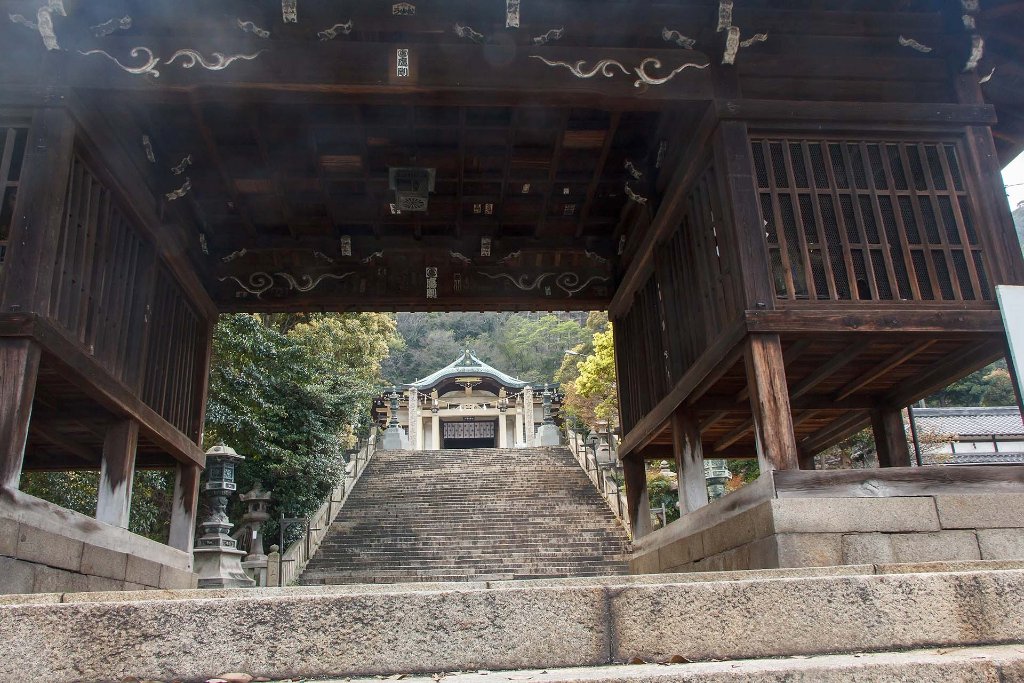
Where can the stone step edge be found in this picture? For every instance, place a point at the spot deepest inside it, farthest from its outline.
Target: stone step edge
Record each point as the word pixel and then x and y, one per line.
pixel 357 634
pixel 985 663
pixel 605 581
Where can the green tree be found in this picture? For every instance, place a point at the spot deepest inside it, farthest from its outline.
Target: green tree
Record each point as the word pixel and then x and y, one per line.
pixel 990 386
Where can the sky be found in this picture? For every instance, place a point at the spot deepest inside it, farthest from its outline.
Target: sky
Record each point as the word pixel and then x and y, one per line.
pixel 1013 176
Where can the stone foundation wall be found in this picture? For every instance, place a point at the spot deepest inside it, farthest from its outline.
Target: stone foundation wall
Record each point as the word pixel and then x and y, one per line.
pixel 47 549
pixel 814 532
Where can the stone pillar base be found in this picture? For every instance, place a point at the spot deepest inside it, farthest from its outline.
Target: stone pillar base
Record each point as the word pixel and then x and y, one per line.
pixel 395 439
pixel 221 568
pixel 548 435
pixel 853 517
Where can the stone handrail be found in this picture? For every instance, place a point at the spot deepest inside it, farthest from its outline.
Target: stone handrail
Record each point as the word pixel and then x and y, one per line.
pixel 284 568
pixel 600 477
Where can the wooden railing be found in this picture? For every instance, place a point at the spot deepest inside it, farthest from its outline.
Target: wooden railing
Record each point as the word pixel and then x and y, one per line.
pixel 284 568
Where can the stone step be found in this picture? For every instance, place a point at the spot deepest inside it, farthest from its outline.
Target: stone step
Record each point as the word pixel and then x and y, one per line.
pixel 394 630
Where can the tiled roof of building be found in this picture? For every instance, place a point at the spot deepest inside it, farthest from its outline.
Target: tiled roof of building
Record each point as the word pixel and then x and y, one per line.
pixel 961 422
pixel 468 364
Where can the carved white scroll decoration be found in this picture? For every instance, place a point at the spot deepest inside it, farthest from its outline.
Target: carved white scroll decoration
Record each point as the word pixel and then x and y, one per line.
pixel 549 37
pixel 149 68
pixel 147 147
pixel 756 38
pixel 596 257
pixel 511 256
pixel 406 9
pixel 511 13
pixel 733 43
pixel 468 32
pixel 633 196
pixel 180 192
pixel 336 30
pixel 914 45
pixel 569 282
pixel 461 258
pixel 180 168
pixel 605 68
pixel 633 170
pixel 376 254
pixel 110 26
pixel 977 52
pixel 985 79
pixel 251 27
pixel 290 11
pixel 346 245
pixel 673 36
pixel 322 256
pixel 260 282
pixel 220 61
pixel 44 22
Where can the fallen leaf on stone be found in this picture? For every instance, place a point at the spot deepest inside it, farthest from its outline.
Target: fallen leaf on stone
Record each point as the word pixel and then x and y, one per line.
pixel 236 677
pixel 215 680
pixel 483 672
pixel 679 659
pixel 637 660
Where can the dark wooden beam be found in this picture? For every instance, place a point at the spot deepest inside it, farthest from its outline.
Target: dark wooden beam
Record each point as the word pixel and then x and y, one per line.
pixel 971 357
pixel 835 432
pixel 890 437
pixel 595 179
pixel 735 435
pixel 213 152
pixel 769 403
pixel 910 318
pixel 785 113
pixel 19 366
pixel 827 369
pixel 883 368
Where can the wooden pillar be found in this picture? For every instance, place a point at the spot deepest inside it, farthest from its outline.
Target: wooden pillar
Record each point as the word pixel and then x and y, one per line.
pixel 117 472
pixel 637 501
pixel 769 402
pixel 890 438
pixel 183 507
pixel 27 276
pixel 693 488
pixel 19 367
pixel 806 459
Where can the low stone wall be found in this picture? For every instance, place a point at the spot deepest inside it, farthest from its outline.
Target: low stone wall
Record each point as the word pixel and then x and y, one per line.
pixel 765 528
pixel 45 548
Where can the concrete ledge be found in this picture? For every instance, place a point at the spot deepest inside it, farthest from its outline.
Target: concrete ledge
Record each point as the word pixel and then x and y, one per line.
pixel 383 631
pixel 967 665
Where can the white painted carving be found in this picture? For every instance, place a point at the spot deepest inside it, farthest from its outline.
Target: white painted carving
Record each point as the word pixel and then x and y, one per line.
pixel 970 23
pixel 44 22
pixel 149 68
pixel 634 196
pixel 290 11
pixel 511 13
pixel 756 38
pixel 461 258
pixel 250 27
pixel 485 246
pixel 633 170
pixel 219 62
pixel 678 38
pixel 260 282
pixel 549 37
pixel 596 257
pixel 346 245
pixel 147 147
pixel 333 32
pixel 431 280
pixel 110 26
pixel 570 283
pixel 468 32
pixel 733 43
pixel 180 192
pixel 180 168
pixel 604 67
pixel 376 254
pixel 914 45
pixel 406 9
pixel 512 256
pixel 985 79
pixel 234 255
pixel 977 52
pixel 322 256
pixel 203 245
pixel 724 14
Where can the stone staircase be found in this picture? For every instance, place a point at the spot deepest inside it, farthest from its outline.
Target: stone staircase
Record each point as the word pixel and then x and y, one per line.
pixel 471 515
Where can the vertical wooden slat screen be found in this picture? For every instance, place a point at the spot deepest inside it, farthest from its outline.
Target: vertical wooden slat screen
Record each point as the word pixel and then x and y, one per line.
pixel 868 220
pixel 173 352
pixel 12 154
pixel 687 302
pixel 98 282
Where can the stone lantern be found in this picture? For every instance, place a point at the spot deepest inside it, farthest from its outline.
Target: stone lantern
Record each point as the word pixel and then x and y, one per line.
pixel 218 561
pixel 548 434
pixel 257 506
pixel 394 436
pixel 717 474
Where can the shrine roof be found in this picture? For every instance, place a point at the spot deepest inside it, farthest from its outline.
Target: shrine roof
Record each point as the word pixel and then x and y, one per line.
pixel 467 365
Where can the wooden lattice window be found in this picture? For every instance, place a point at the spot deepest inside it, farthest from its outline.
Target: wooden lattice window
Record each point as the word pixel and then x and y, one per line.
pixel 12 155
pixel 868 220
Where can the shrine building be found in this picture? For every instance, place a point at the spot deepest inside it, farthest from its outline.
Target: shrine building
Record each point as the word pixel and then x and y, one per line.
pixel 469 404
